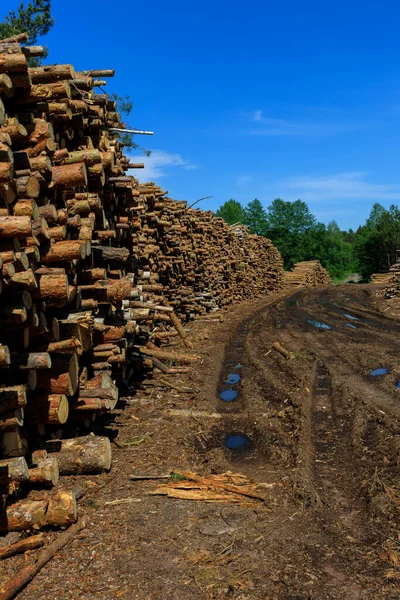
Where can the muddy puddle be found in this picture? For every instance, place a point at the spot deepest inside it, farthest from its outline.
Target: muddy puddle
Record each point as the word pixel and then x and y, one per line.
pixel 238 442
pixel 380 371
pixel 318 324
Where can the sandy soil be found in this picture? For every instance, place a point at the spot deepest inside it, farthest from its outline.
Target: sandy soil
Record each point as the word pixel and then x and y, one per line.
pixel 324 437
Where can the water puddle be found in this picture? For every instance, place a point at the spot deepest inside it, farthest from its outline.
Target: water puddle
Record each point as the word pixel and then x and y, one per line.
pixel 318 324
pixel 351 326
pixel 228 395
pixel 350 317
pixel 380 371
pixel 238 442
pixel 233 378
pixel 398 384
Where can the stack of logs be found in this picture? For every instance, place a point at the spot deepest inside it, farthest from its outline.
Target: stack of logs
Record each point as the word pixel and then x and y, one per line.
pixel 381 278
pixel 308 273
pixel 96 270
pixel 392 282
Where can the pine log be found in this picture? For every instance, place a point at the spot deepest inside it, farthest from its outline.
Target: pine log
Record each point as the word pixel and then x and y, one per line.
pixel 12 63
pixel 31 360
pixel 13 470
pixel 62 378
pixel 26 208
pixel 15 227
pixel 54 289
pixel 51 73
pixel 67 250
pixel 52 409
pixel 24 280
pixel 90 454
pixel 27 187
pixel 69 176
pixel 12 397
pixel 45 472
pixel 56 509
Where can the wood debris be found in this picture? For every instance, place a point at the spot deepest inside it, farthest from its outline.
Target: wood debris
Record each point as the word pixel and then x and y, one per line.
pixel 225 488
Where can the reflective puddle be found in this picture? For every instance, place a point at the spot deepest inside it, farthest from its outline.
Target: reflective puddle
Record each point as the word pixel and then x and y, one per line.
pixel 351 326
pixel 318 324
pixel 238 442
pixel 350 317
pixel 228 395
pixel 381 371
pixel 233 378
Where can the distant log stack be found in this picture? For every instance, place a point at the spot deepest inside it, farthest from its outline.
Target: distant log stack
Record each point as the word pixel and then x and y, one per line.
pixel 392 281
pixel 308 273
pixel 381 278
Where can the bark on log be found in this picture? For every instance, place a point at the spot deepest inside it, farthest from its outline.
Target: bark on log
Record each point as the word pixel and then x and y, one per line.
pixel 63 377
pixel 31 360
pixel 54 289
pixel 13 470
pixel 90 454
pixel 56 509
pixel 12 397
pixel 15 227
pixel 62 251
pixel 45 472
pixel 52 409
pixel 69 176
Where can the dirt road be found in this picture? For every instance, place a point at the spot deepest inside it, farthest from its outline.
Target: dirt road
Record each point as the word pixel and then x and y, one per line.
pixel 320 432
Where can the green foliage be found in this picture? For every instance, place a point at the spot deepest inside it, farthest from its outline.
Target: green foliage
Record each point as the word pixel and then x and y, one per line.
pixel 35 19
pixel 231 212
pixel 377 242
pixel 255 217
pixel 296 233
pixel 125 107
pixel 288 226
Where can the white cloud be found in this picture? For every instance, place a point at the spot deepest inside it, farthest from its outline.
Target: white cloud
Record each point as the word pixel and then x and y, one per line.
pixel 341 186
pixel 243 179
pixel 158 163
pixel 267 126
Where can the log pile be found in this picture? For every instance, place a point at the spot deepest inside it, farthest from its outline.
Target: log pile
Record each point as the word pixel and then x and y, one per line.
pixel 392 281
pixel 308 273
pixel 97 271
pixel 381 278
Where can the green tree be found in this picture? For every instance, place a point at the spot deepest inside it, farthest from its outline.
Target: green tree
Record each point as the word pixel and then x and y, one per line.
pixel 33 18
pixel 255 217
pixel 378 241
pixel 231 212
pixel 287 226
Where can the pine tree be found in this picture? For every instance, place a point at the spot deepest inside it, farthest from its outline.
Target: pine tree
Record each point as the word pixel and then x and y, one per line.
pixel 35 19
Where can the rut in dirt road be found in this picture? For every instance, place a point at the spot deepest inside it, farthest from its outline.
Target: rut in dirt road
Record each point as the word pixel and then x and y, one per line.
pixel 337 432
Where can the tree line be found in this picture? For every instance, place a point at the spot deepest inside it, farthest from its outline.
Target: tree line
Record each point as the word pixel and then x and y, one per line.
pixel 298 235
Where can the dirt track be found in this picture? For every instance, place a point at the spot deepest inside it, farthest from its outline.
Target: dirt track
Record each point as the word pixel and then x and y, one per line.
pixel 323 431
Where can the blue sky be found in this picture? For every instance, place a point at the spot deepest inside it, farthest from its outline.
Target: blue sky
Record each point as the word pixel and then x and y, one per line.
pixel 288 99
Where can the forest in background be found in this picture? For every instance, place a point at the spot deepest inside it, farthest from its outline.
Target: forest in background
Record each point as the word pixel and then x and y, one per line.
pixel 299 236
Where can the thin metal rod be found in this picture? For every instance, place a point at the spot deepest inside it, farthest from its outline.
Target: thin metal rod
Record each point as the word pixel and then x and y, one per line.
pixel 135 131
